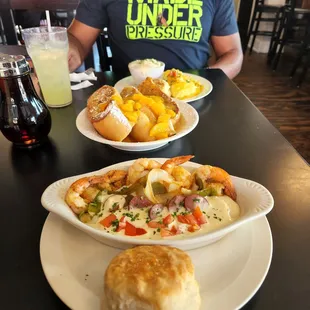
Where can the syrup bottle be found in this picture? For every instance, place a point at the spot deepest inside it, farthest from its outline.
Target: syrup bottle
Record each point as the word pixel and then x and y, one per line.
pixel 24 118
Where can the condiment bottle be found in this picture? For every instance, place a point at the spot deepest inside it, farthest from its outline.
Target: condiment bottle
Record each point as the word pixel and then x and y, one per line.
pixel 24 118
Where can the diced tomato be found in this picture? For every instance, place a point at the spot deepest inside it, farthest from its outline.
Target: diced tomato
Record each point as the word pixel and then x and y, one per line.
pixel 193 228
pixel 140 231
pixel 173 73
pixel 107 221
pixel 187 219
pixel 119 228
pixel 199 216
pixel 168 219
pixel 130 230
pixel 154 224
pixel 174 230
pixel 164 232
pixel 121 224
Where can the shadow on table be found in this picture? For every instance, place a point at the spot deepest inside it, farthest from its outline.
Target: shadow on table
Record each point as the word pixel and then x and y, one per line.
pixel 25 161
pixel 107 155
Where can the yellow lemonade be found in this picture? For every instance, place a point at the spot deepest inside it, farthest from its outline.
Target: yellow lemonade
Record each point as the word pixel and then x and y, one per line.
pixel 51 66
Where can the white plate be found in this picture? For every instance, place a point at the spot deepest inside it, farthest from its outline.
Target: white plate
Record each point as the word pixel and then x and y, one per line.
pixel 254 200
pixel 190 118
pixel 229 272
pixel 207 86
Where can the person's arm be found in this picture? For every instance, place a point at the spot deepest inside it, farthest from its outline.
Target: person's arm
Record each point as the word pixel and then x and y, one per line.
pixel 228 52
pixel 81 39
pixel 225 38
pixel 91 17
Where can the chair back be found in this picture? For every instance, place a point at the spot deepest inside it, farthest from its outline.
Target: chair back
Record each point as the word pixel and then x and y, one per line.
pixel 104 50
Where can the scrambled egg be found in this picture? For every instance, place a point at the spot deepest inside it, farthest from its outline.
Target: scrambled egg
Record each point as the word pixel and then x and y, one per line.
pixel 181 85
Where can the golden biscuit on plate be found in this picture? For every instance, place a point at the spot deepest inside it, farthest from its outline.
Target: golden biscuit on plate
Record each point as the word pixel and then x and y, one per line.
pixel 149 278
pixel 105 115
pixel 163 85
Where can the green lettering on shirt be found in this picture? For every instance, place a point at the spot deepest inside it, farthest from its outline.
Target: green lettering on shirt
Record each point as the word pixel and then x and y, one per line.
pixel 172 19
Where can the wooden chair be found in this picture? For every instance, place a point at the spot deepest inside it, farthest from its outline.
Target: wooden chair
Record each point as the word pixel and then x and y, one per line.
pixel 104 50
pixel 261 8
pixel 292 32
pixel 8 26
pixel 63 18
pixel 304 53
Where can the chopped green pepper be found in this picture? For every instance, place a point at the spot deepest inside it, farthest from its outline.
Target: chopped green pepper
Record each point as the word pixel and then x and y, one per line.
pixel 199 182
pixel 207 192
pixel 93 207
pixel 85 217
pixel 158 188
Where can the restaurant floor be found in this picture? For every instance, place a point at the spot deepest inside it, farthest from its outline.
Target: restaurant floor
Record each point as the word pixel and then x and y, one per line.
pixel 275 95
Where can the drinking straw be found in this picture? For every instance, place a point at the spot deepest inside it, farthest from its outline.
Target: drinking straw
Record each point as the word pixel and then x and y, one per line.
pixel 48 19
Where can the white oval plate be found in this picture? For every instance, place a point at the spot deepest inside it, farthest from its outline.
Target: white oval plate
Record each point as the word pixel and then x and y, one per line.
pixel 207 86
pixel 254 200
pixel 229 272
pixel 190 118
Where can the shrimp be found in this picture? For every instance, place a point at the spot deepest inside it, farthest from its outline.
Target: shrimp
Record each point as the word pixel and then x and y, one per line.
pixel 140 168
pixel 216 179
pixel 180 174
pixel 77 199
pixel 112 180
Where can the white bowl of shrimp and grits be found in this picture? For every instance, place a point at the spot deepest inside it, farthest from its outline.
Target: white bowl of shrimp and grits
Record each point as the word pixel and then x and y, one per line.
pixel 151 201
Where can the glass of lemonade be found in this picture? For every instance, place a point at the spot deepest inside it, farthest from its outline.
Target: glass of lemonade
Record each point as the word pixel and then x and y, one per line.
pixel 49 53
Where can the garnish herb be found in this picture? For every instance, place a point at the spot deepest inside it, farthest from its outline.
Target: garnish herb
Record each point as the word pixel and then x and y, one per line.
pixel 158 229
pixel 128 214
pixel 196 200
pixel 115 207
pixel 182 204
pixel 154 232
pixel 115 223
pixel 135 217
pixel 185 213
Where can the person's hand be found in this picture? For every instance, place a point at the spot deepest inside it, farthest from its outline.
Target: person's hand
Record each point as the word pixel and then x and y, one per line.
pixel 81 39
pixel 74 55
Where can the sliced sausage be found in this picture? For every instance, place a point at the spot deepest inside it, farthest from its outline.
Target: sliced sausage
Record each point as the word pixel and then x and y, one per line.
pixel 193 201
pixel 139 202
pixel 155 211
pixel 176 203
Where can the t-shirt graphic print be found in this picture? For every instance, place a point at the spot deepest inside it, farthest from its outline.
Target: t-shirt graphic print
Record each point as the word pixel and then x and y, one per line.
pixel 176 32
pixel 166 19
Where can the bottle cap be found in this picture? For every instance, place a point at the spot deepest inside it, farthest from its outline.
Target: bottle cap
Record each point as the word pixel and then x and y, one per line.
pixel 13 65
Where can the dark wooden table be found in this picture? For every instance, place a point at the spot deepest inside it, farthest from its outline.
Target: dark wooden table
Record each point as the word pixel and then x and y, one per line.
pixel 231 134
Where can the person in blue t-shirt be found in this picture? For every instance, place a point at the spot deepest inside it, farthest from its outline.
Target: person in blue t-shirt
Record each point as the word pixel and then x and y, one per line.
pixel 177 32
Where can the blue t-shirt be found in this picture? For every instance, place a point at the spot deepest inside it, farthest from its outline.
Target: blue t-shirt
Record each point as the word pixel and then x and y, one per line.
pixel 176 32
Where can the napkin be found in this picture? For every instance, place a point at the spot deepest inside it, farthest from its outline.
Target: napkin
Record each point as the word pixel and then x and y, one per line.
pixel 81 85
pixel 83 76
pixel 83 79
